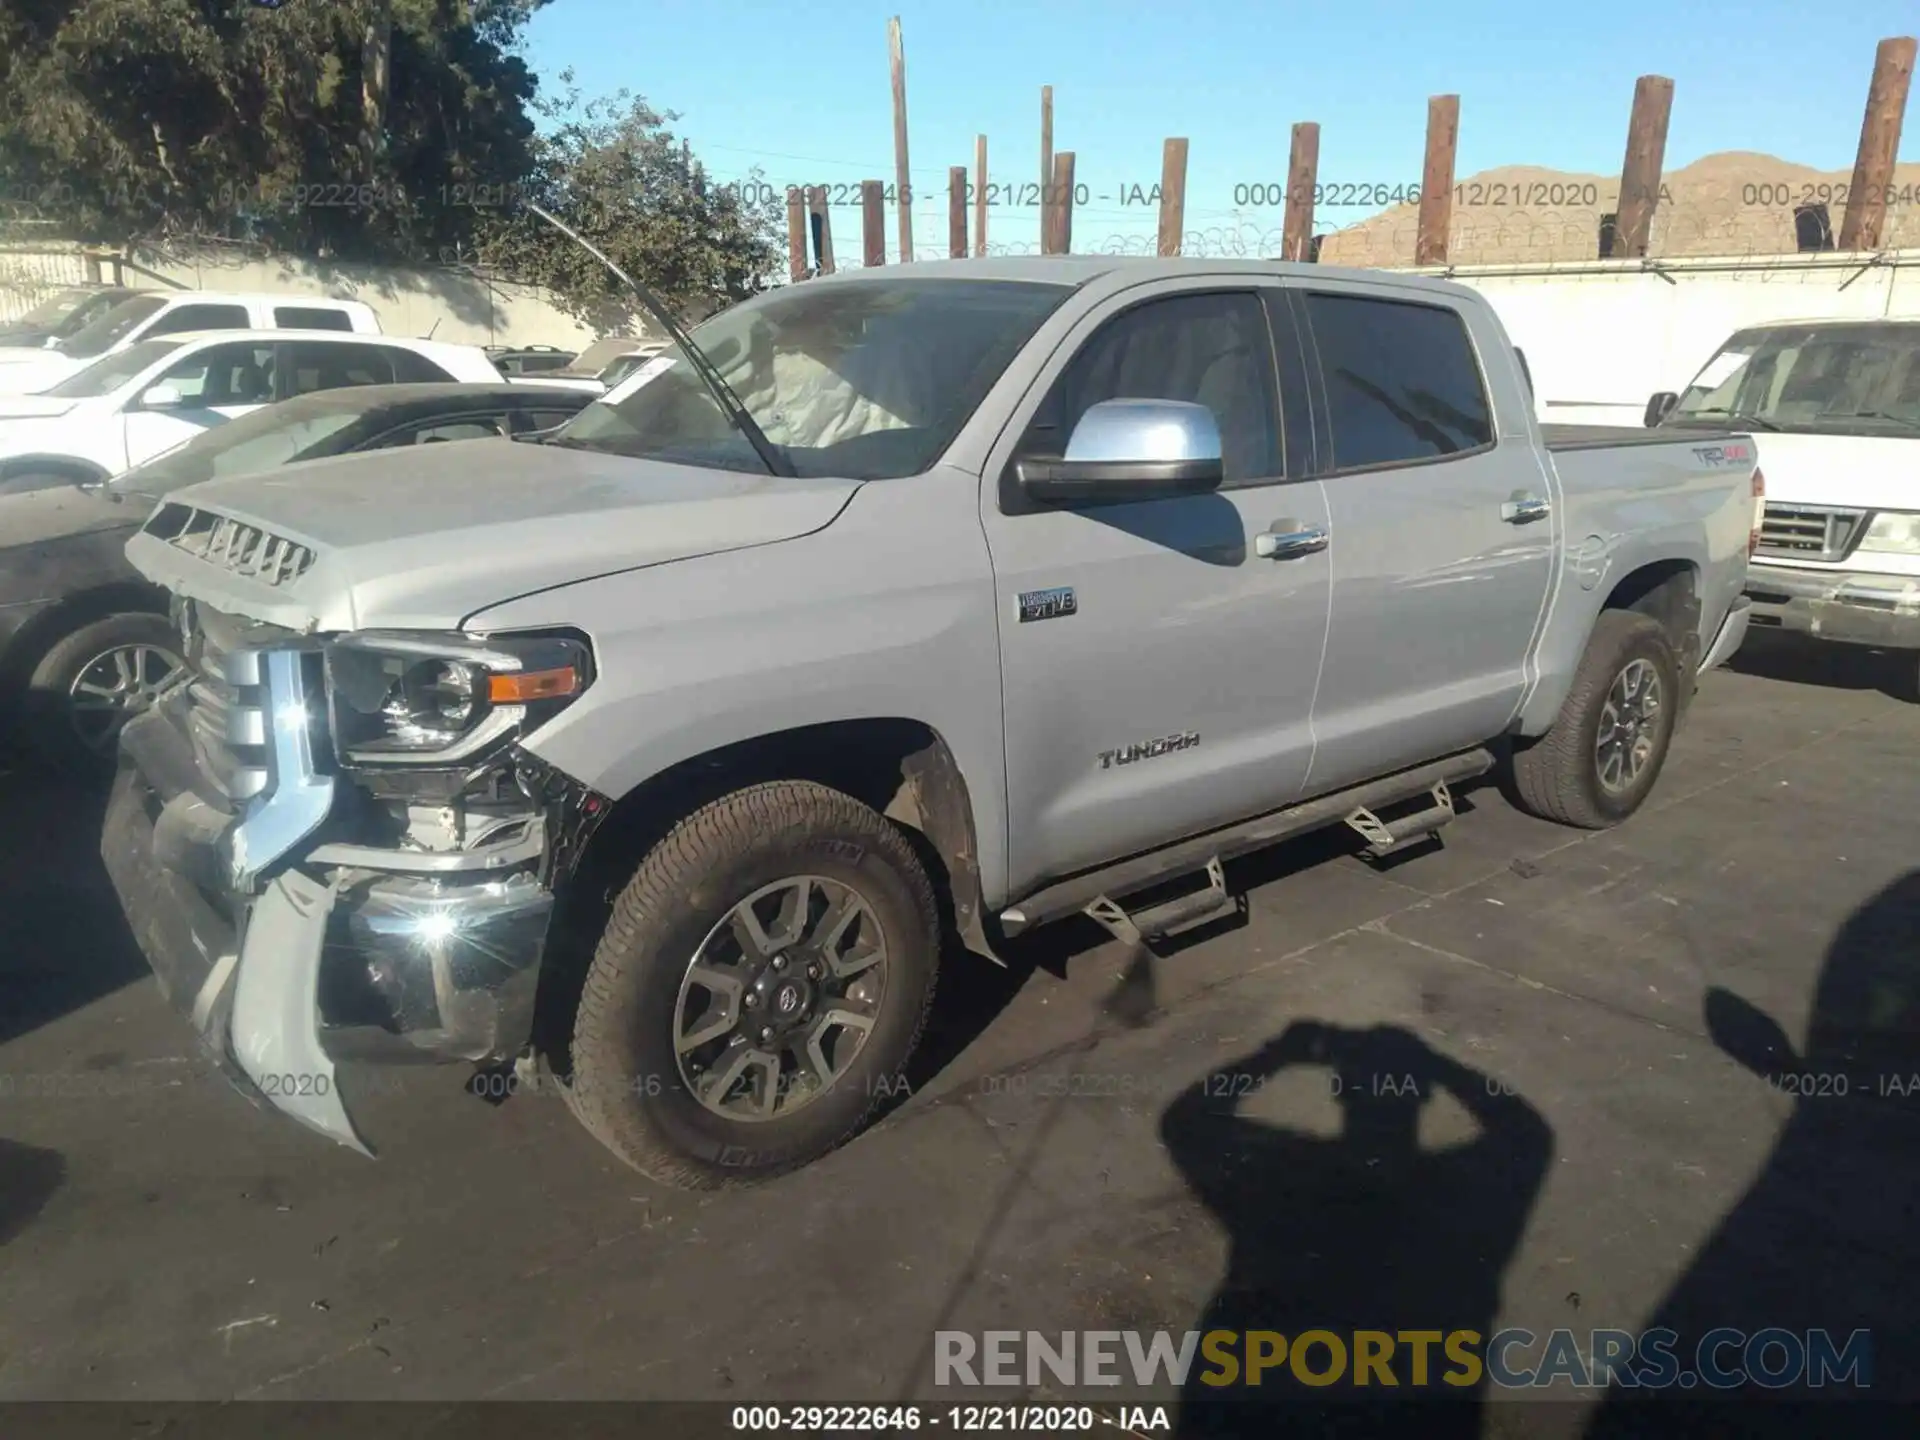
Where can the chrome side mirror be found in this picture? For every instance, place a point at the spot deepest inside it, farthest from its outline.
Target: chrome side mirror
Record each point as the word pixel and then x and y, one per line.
pixel 1130 450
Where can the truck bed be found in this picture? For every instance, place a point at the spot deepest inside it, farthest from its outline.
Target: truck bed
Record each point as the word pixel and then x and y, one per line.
pixel 1596 437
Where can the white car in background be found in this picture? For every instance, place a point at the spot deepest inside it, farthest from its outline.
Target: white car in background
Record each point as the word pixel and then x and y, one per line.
pixel 29 370
pixel 1834 407
pixel 134 404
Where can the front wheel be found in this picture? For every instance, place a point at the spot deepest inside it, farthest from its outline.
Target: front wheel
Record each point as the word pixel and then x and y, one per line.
pixel 762 982
pixel 1598 763
pixel 91 682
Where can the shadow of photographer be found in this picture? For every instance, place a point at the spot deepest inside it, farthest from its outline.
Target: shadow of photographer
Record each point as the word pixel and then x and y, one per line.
pixel 1363 1230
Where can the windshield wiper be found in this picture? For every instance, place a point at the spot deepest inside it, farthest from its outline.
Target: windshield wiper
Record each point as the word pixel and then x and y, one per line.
pixel 723 393
pixel 1903 420
pixel 1753 421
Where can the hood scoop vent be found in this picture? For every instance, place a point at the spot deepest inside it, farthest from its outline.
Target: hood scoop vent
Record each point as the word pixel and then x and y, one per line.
pixel 232 545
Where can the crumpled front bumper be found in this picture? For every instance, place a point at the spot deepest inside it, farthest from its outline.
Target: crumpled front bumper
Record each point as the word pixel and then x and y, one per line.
pixel 344 955
pixel 1847 606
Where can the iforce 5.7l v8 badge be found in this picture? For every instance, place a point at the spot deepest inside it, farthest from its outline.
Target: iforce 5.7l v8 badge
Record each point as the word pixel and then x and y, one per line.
pixel 1047 604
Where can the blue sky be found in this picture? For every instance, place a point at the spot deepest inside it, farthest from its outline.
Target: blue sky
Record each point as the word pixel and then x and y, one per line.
pixel 801 89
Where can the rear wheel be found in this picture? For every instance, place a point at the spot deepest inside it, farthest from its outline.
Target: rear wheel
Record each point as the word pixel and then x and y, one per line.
pixel 759 988
pixel 1599 762
pixel 90 683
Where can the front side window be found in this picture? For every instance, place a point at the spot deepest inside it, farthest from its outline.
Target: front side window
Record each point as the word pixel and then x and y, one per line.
pixel 1402 380
pixel 188 318
pixel 1209 350
pixel 266 438
pixel 862 379
pixel 221 375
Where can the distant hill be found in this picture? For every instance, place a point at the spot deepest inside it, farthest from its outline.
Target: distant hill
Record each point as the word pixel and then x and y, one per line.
pixel 1733 203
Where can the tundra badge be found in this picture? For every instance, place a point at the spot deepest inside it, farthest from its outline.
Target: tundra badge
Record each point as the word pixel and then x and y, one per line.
pixel 1047 604
pixel 1148 750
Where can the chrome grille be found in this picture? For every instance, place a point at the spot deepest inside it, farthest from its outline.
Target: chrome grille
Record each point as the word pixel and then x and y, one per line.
pixel 225 716
pixel 1809 532
pixel 231 544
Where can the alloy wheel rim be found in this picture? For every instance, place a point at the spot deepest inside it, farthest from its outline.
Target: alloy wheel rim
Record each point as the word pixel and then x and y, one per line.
pixel 1629 727
pixel 115 686
pixel 779 998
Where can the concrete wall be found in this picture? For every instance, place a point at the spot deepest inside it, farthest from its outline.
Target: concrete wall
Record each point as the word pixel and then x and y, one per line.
pixel 1602 335
pixel 455 305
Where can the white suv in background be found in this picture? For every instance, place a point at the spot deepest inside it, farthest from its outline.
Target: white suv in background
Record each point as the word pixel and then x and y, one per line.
pixel 1834 407
pixel 134 404
pixel 30 370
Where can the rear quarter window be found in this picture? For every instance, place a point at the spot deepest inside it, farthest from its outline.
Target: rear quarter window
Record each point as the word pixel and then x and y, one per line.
pixel 1402 381
pixel 410 368
pixel 310 317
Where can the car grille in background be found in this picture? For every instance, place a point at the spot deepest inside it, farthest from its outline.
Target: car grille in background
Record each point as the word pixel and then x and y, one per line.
pixel 1809 532
pixel 231 544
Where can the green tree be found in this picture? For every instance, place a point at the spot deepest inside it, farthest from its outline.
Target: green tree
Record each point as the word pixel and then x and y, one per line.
pixel 614 170
pixel 356 128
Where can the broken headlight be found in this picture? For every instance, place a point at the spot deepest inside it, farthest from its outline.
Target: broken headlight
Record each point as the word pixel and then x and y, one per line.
pixel 412 698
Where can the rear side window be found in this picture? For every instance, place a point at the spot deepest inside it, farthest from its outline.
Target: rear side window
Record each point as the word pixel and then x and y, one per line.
pixel 412 369
pixel 310 317
pixel 202 317
pixel 1402 382
pixel 320 366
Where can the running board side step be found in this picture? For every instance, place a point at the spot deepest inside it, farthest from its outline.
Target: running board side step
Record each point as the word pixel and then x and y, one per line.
pixel 1113 882
pixel 1386 837
pixel 1172 917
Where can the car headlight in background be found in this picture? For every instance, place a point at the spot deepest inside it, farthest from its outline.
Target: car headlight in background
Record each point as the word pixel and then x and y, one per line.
pixel 1893 532
pixel 406 697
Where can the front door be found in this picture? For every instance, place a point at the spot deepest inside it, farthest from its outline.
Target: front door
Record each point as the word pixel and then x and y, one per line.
pixel 213 385
pixel 1443 531
pixel 1158 672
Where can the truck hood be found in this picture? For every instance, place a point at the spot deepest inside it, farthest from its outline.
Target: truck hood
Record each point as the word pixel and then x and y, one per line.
pixel 422 538
pixel 1863 472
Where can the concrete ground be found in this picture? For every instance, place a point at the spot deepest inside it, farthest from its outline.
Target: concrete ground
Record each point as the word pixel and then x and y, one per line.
pixel 1583 1151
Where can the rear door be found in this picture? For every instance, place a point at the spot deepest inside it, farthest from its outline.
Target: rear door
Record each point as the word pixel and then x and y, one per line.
pixel 1442 522
pixel 1158 673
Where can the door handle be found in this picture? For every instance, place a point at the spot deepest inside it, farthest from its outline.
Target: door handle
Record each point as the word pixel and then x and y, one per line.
pixel 1523 508
pixel 1288 538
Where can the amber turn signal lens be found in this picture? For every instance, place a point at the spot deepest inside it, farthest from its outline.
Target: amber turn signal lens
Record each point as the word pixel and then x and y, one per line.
pixel 520 687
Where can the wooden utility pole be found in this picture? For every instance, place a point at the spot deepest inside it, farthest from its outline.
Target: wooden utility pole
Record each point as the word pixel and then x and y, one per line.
pixel 903 185
pixel 956 212
pixel 1173 195
pixel 822 228
pixel 873 222
pixel 1046 167
pixel 796 233
pixel 1879 143
pixel 1640 174
pixel 1062 203
pixel 1303 174
pixel 980 195
pixel 1436 180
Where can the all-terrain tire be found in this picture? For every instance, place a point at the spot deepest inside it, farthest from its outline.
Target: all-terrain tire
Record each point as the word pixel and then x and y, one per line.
pixel 627 1088
pixel 1557 776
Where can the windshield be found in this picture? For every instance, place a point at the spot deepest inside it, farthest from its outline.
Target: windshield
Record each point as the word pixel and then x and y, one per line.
pixel 868 380
pixel 48 314
pixel 107 330
pixel 263 440
pixel 1825 378
pixel 110 372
